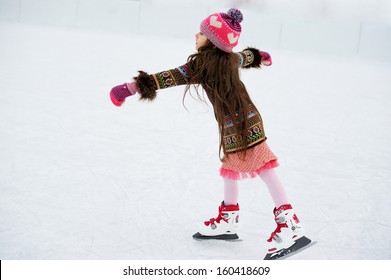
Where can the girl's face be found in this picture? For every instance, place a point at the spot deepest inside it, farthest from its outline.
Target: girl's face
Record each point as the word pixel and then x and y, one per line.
pixel 200 40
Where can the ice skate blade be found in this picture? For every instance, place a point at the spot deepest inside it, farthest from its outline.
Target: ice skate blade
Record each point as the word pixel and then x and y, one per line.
pixel 299 245
pixel 226 237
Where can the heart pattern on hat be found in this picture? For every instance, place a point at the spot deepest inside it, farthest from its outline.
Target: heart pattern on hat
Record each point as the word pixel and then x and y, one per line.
pixel 214 22
pixel 223 29
pixel 231 37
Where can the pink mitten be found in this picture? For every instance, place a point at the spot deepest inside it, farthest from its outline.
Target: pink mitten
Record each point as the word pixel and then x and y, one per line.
pixel 266 59
pixel 119 93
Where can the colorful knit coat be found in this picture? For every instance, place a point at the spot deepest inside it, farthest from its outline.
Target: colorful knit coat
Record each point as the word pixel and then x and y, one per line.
pixel 250 57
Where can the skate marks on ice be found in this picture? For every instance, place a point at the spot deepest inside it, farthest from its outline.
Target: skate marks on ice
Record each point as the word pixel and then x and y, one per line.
pixel 300 244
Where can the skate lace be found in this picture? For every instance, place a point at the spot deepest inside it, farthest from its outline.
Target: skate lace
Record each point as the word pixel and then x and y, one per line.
pixel 217 219
pixel 277 230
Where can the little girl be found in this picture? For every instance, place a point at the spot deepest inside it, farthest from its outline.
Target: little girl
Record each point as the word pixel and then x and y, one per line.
pixel 242 137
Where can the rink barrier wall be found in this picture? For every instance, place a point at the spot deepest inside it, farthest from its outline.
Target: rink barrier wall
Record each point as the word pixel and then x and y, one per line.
pixel 369 40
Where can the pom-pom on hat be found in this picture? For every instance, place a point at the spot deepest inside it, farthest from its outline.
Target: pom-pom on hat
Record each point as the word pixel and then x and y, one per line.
pixel 223 29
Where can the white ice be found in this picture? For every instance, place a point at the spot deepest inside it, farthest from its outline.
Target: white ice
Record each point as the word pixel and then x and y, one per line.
pixel 83 179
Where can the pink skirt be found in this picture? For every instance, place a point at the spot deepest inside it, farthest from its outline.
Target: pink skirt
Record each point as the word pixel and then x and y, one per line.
pixel 257 159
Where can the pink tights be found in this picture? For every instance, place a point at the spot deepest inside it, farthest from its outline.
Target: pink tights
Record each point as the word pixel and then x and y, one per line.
pixel 230 191
pixel 271 180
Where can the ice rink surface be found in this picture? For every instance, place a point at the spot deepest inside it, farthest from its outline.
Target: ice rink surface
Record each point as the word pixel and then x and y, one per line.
pixel 83 179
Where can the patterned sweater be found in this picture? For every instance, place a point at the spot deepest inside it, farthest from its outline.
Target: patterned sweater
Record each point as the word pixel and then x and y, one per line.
pixel 248 58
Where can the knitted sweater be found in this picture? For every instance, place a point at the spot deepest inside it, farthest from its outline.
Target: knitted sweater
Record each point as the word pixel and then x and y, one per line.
pixel 248 58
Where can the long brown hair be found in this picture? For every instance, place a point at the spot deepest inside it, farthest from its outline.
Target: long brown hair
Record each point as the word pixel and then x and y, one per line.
pixel 218 74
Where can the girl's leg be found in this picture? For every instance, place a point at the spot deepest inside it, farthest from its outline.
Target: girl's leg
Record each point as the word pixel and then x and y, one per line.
pixel 230 191
pixel 289 233
pixel 275 187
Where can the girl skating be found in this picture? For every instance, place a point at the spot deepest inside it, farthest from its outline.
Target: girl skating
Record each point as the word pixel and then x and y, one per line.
pixel 243 148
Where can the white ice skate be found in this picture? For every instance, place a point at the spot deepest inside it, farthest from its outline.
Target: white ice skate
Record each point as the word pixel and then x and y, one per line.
pixel 224 227
pixel 288 237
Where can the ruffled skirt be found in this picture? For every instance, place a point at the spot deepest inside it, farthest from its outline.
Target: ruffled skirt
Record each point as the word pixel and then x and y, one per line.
pixel 257 159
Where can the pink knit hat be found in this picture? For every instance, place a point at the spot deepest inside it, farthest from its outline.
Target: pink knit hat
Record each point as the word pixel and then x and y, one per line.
pixel 223 29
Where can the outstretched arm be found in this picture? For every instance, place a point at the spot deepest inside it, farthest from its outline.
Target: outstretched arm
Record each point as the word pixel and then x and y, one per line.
pixel 147 84
pixel 252 57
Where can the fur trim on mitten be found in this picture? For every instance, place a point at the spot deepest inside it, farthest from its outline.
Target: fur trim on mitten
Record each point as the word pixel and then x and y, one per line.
pixel 147 86
pixel 257 58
